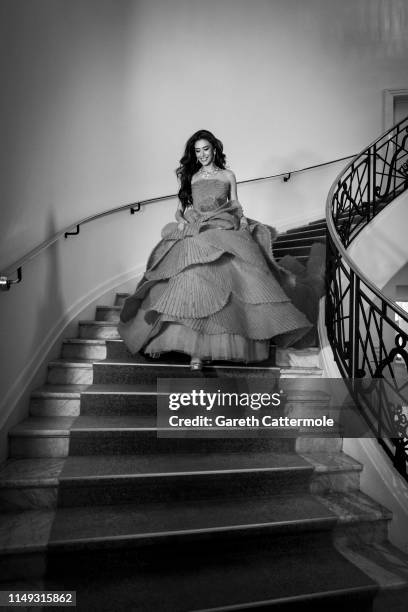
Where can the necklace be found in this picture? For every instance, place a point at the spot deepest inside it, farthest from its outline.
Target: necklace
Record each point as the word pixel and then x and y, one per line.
pixel 207 174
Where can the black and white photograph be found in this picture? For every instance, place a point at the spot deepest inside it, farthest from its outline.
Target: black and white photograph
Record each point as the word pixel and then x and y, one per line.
pixel 204 305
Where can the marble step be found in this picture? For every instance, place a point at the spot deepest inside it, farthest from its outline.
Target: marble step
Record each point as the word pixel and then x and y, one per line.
pixel 82 348
pixel 357 520
pixel 93 400
pixel 316 235
pixel 57 400
pixel 281 250
pixel 36 483
pixel 298 358
pixel 108 313
pixel 120 298
pixel 361 519
pixel 33 483
pixel 98 330
pixel 310 444
pixel 333 471
pixel 124 372
pixel 387 566
pixel 123 399
pixel 117 350
pixel 73 372
pixel 87 435
pixel 96 480
pixel 174 522
pixel 314 225
pixel 294 241
pixel 28 484
pixel 220 577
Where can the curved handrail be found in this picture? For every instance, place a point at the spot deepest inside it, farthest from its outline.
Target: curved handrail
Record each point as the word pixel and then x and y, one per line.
pixel 331 227
pixel 16 267
pixel 365 336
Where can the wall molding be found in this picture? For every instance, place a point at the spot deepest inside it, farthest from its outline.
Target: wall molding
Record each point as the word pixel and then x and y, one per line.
pixel 389 97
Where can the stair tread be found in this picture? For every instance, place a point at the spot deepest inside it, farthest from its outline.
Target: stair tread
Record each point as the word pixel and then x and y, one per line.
pixel 40 471
pixel 384 563
pixel 62 425
pixel 86 341
pixel 353 506
pixel 286 238
pixel 332 462
pixel 31 472
pixel 159 363
pixel 25 531
pixel 73 363
pixel 135 520
pixel 196 582
pixel 75 391
pixel 128 465
pixel 43 426
pixel 59 391
pixel 98 323
pixel 109 388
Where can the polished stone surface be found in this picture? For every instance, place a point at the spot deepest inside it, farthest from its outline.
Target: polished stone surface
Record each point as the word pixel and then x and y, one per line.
pixel 309 444
pixel 354 506
pixel 25 531
pixel 84 349
pixel 102 330
pixel 30 472
pixel 78 373
pixel 384 563
pixel 333 472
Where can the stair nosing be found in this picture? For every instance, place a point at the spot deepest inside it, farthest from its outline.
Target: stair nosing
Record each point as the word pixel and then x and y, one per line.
pixel 208 472
pixel 186 366
pixel 305 597
pixel 184 532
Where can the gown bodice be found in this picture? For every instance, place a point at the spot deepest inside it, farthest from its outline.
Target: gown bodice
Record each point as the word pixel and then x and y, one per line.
pixel 209 194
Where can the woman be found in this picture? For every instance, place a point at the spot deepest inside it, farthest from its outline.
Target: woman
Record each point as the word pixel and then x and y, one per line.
pixel 211 289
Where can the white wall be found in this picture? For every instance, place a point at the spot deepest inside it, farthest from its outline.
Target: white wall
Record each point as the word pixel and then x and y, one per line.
pixel 385 240
pixel 99 96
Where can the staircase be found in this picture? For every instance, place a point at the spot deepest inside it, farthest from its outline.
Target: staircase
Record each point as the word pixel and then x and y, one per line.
pixel 297 242
pixel 91 500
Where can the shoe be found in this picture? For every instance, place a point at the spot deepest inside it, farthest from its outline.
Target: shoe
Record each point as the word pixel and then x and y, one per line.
pixel 196 364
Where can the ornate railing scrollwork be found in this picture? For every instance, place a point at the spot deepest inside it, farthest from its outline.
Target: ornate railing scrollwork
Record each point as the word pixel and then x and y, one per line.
pixel 364 326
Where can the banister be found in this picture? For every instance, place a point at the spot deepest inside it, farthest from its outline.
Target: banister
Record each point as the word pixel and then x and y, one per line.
pixel 16 267
pixel 366 340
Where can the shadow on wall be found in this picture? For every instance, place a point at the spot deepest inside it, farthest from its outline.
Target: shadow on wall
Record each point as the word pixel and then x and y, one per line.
pixel 51 304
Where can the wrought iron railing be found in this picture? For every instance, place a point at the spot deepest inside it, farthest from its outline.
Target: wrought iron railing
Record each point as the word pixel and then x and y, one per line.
pixel 367 331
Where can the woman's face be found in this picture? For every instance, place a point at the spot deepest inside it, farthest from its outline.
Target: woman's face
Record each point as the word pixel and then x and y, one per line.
pixel 204 151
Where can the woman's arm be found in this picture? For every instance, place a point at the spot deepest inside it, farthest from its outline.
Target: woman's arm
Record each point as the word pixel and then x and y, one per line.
pixel 179 214
pixel 233 186
pixel 243 223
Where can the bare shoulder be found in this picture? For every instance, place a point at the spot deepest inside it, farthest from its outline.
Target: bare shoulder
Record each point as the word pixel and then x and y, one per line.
pixel 229 174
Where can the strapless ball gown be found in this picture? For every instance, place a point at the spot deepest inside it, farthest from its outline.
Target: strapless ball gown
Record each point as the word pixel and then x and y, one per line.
pixel 211 289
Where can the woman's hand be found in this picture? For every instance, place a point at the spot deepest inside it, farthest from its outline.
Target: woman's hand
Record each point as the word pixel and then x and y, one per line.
pixel 181 225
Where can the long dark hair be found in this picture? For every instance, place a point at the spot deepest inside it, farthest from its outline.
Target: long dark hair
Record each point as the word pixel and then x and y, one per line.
pixel 189 164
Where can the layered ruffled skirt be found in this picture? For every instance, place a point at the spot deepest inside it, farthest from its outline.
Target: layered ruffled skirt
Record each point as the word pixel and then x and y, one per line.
pixel 213 291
